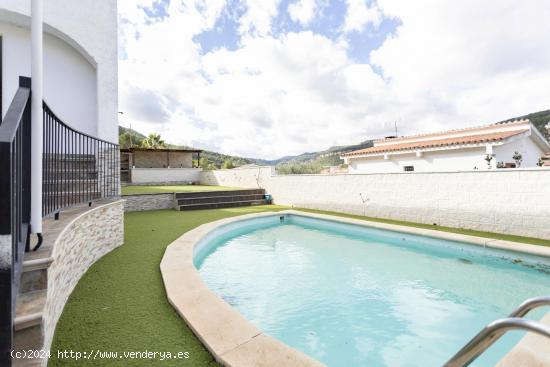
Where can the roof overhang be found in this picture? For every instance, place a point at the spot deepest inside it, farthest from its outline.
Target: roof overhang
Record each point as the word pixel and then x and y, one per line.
pixel 540 140
pixel 453 147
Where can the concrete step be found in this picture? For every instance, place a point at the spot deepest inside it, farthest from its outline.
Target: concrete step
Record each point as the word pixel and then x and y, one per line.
pixel 34 274
pixel 69 194
pixel 27 324
pixel 220 199
pixel 69 174
pixel 203 194
pixel 227 204
pixel 69 184
pixel 69 156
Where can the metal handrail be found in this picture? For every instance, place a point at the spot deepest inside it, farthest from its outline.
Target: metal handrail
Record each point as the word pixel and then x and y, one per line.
pixel 15 207
pixel 77 167
pixel 492 332
pixel 530 305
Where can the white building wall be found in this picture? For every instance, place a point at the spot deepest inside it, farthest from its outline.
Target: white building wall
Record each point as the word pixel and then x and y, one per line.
pixel 70 87
pixel 89 27
pixel 444 160
pixel 512 201
pixel 164 175
pixel 527 147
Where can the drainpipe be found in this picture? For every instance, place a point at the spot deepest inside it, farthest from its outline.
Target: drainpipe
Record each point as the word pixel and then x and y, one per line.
pixel 36 115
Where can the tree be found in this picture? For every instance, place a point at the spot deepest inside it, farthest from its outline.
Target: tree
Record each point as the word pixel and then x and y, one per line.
pixel 228 164
pixel 204 163
pixel 128 139
pixel 518 158
pixel 153 141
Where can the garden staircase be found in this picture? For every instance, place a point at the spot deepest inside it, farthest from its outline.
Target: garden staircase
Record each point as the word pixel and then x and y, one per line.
pixel 220 199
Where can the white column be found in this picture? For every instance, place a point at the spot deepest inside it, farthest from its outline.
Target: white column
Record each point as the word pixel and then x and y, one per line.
pixel 36 115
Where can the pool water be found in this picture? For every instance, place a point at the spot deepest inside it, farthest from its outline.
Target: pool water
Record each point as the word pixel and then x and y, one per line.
pixel 356 296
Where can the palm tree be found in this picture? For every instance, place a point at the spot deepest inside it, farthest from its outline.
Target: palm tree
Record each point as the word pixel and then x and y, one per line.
pixel 153 141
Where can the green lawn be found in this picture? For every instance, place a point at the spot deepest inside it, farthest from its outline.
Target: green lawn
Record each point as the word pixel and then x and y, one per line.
pixel 120 303
pixel 132 190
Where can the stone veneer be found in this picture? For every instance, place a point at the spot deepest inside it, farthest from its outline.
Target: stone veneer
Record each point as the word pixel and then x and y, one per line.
pixel 511 201
pixel 80 244
pixel 141 202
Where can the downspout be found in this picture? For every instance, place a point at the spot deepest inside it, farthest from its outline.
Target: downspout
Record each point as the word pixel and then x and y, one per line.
pixel 36 116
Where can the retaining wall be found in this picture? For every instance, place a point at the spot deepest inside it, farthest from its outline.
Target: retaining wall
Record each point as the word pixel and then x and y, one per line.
pixel 141 202
pixel 81 243
pixel 510 201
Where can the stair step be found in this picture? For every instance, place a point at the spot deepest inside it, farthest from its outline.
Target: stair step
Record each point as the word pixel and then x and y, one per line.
pixel 220 199
pixel 29 309
pixel 228 204
pixel 37 264
pixel 203 194
pixel 70 180
pixel 76 193
pixel 34 275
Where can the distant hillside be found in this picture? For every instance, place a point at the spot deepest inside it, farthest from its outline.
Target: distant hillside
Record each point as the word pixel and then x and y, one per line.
pixel 539 119
pixel 310 162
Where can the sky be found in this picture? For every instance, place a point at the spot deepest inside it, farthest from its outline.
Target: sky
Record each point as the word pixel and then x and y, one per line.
pixel 270 78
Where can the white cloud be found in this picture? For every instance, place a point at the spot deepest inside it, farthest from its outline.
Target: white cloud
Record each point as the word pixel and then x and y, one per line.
pixel 359 14
pixel 258 17
pixel 302 11
pixel 448 65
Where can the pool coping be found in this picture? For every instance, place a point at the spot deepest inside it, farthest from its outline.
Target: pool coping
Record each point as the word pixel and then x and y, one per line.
pixel 230 337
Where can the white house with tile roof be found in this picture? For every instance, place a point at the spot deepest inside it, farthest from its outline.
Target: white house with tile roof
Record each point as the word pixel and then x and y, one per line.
pixel 455 150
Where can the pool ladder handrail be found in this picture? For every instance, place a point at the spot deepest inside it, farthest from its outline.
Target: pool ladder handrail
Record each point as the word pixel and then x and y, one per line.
pixel 492 332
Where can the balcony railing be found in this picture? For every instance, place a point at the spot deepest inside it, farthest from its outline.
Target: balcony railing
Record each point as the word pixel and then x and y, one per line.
pixel 15 205
pixel 77 167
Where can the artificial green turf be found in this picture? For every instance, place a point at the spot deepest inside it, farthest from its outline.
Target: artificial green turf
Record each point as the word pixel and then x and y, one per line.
pixel 120 303
pixel 470 232
pixel 145 189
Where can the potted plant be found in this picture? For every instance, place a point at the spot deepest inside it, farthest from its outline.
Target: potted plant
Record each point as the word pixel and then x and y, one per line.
pixel 518 158
pixel 488 159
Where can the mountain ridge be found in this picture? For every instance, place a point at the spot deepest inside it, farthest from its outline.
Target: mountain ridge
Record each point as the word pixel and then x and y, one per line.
pixel 327 157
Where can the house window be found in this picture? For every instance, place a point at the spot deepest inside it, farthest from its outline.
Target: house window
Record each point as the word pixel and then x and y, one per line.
pixel 408 168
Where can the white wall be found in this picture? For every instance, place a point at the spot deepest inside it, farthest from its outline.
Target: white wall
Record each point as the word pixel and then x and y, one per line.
pixel 89 27
pixel 164 175
pixel 513 201
pixel 70 86
pixel 527 147
pixel 449 160
pixel 445 160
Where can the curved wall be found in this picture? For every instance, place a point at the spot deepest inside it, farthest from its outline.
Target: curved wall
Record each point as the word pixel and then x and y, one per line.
pixel 82 242
pixel 70 86
pixel 88 28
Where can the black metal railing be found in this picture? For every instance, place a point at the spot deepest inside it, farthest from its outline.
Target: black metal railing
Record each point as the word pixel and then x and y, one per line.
pixel 77 167
pixel 15 207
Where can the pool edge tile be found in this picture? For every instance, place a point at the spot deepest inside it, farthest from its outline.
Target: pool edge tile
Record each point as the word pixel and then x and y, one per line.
pixel 266 351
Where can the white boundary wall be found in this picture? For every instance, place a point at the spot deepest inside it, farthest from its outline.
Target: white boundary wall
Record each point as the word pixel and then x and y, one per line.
pixel 164 175
pixel 511 201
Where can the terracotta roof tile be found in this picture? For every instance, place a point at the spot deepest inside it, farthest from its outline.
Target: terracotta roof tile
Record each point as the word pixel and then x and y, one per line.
pixel 435 143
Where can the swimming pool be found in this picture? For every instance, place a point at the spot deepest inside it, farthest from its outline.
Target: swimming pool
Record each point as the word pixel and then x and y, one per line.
pixel 351 295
